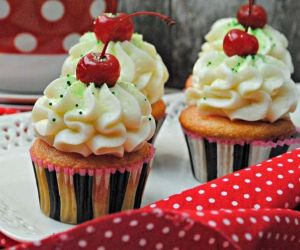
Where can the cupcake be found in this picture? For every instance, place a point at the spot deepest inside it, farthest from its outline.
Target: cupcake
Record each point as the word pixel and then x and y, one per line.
pixel 239 105
pixel 140 62
pixel 271 41
pixel 91 156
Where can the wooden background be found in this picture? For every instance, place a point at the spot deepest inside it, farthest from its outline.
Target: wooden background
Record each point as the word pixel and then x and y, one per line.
pixel 179 45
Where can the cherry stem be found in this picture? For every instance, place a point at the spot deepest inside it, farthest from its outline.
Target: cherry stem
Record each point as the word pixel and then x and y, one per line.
pixel 251 3
pixel 163 17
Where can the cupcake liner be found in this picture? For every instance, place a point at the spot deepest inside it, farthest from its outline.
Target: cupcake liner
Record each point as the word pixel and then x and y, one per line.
pixel 212 158
pixel 77 195
pixel 159 124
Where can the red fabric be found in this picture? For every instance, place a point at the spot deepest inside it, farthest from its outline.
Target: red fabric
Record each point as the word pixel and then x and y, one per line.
pixel 222 214
pixel 27 17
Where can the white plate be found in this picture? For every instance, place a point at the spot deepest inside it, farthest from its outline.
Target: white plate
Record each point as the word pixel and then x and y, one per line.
pixel 17 98
pixel 20 216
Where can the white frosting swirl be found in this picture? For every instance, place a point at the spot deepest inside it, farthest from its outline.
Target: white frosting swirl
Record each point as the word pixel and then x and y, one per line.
pixel 140 63
pixel 271 41
pixel 74 117
pixel 252 88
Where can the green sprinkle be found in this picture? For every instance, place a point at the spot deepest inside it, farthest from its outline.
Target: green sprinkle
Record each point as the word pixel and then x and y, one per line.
pixel 68 75
pixel 204 97
pixel 50 103
pixel 253 57
pixel 61 96
pixel 145 99
pixel 53 119
pixel 93 93
pixel 113 92
pixel 80 112
pixel 208 64
pixel 81 55
pixel 76 105
pixel 98 42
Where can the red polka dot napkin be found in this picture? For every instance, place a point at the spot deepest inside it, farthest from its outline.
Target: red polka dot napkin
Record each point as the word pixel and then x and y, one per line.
pixel 250 209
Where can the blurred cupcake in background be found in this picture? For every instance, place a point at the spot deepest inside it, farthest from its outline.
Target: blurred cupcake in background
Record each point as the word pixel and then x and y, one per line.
pixel 240 98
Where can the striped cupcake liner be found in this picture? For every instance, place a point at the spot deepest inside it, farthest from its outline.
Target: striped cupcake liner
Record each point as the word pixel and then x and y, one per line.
pixel 159 124
pixel 212 158
pixel 74 196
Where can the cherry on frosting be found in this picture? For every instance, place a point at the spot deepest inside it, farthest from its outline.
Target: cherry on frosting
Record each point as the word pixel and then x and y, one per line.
pixel 93 68
pixel 252 15
pixel 122 25
pixel 240 43
pixel 105 68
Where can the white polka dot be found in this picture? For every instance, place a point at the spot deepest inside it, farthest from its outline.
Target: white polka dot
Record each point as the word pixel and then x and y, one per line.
pixel 285 237
pixel 225 244
pixel 297 199
pixel 266 218
pixel 197 237
pixel 280 165
pixel 280 176
pixel 25 42
pixel 236 187
pixel 200 214
pixel 248 236
pixel 63 236
pixel 287 220
pixel 269 160
pixel 269 183
pixel 150 226
pixel 269 199
pixel 211 241
pixel 277 236
pixel 108 234
pixel 142 242
pixel 181 234
pixel 260 234
pixel 235 238
pixel 236 174
pixel 37 243
pixel 269 169
pixel 159 246
pixel 52 10
pixel 125 238
pixel 290 160
pixel 247 180
pixel 291 171
pixel 4 9
pixel 101 248
pixel 97 7
pixel 82 243
pixel 213 185
pixel 257 206
pixel 153 205
pixel 199 208
pixel 257 189
pixel 225 179
pixel 223 193
pixel 70 40
pixel 226 222
pixel 246 196
pixel 176 206
pixel 286 205
pixel 117 220
pixel 279 192
pixel 133 223
pixel 211 200
pixel 189 198
pixel 253 220
pixel 269 235
pixel 291 185
pixel 258 175
pixel 234 203
pixel 293 237
pixel 214 212
pixel 165 230
pixel 296 221
pixel 90 229
pixel 240 220
pixel 201 191
pixel 212 223
pixel 277 218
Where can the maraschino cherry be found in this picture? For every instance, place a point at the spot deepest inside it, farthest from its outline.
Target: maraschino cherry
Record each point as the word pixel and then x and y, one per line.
pixel 100 68
pixel 252 15
pixel 240 43
pixel 124 30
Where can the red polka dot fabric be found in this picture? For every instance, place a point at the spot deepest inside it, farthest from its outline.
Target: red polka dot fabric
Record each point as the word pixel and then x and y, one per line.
pixel 254 208
pixel 46 26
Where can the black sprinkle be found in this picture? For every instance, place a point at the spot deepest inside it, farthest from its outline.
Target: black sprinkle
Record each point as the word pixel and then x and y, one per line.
pixel 80 112
pixel 53 119
pixel 149 119
pixel 69 83
pixel 50 103
pixel 61 96
pixel 113 92
pixel 204 98
pixel 76 105
pixel 145 99
pixel 93 93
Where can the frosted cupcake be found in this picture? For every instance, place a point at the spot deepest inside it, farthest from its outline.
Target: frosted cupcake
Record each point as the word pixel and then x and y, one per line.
pixel 139 60
pixel 239 105
pixel 271 41
pixel 91 156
